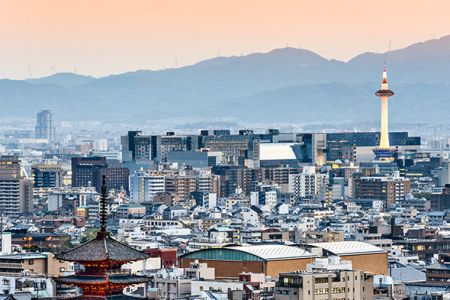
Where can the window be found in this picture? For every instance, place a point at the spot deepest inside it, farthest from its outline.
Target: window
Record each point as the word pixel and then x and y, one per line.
pixel 338 290
pixel 30 261
pixel 321 291
pixel 62 269
pixel 321 280
pixel 420 247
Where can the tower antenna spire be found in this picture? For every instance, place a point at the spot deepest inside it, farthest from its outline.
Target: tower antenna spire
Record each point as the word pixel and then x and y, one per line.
pixel 103 211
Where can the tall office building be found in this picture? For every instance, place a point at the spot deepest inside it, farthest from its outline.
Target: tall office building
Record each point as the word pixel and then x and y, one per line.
pixel 238 150
pixel 171 142
pixel 16 193
pixel 84 169
pixel 128 148
pixel 142 151
pixel 47 175
pixel 88 171
pixel 44 125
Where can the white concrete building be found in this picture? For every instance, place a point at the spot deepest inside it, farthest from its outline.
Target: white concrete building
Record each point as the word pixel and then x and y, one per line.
pixel 145 185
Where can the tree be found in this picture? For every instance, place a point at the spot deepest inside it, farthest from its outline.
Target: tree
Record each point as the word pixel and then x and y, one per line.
pixel 88 235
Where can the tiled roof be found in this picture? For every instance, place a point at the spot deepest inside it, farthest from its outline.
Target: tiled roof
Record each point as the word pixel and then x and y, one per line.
pixel 118 279
pixel 100 249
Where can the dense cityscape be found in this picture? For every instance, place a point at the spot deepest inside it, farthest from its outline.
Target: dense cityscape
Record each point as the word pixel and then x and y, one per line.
pixel 224 150
pixel 224 214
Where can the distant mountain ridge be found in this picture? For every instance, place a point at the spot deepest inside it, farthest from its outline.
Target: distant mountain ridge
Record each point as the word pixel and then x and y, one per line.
pixel 63 79
pixel 285 84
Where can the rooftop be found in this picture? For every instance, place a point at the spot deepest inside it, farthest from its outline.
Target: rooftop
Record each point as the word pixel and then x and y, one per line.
pixel 348 247
pixel 23 256
pixel 250 253
pixel 274 252
pixel 277 151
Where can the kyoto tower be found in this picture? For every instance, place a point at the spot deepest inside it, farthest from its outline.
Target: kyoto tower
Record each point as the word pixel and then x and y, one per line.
pixel 384 151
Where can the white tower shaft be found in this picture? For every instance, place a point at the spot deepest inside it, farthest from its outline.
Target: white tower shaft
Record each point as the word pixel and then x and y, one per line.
pixel 384 130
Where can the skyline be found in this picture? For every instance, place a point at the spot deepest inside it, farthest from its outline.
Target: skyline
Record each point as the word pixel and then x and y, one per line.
pixel 45 37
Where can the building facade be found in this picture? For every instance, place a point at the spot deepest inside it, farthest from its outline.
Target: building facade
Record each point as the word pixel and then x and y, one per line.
pixel 16 192
pixel 44 125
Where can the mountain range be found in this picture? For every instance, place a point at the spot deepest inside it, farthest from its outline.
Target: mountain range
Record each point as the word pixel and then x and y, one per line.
pixel 284 85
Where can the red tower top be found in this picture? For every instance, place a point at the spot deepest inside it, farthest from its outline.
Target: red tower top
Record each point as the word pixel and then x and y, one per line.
pixel 384 91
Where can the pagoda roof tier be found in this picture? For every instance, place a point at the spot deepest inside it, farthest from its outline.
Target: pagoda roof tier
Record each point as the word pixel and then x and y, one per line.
pixel 109 297
pixel 100 279
pixel 102 248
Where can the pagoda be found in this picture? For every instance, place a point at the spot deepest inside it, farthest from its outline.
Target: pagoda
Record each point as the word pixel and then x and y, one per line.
pixel 101 276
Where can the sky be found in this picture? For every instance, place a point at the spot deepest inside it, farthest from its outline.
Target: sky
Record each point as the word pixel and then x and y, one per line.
pixel 103 37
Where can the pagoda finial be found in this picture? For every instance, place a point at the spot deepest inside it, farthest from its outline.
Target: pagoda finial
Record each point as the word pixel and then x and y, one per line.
pixel 103 211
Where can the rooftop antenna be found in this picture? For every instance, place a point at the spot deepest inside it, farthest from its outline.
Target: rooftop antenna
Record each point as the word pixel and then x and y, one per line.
pixel 176 62
pixel 29 71
pixel 390 45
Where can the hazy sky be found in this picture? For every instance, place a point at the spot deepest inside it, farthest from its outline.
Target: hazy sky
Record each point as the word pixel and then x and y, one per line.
pixel 101 37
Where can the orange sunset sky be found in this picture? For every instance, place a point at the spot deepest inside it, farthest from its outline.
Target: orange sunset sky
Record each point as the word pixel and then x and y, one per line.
pixel 102 37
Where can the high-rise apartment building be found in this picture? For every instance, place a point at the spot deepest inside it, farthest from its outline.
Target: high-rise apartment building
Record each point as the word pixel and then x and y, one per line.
pixel 279 175
pixel 307 184
pixel 233 178
pixel 16 192
pixel 387 189
pixel 184 186
pixel 207 182
pixel 44 125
